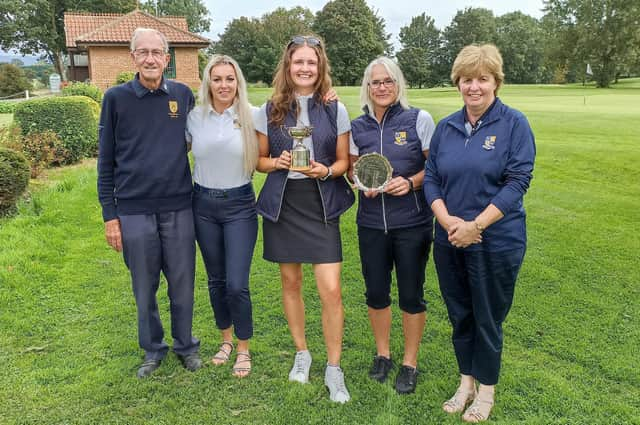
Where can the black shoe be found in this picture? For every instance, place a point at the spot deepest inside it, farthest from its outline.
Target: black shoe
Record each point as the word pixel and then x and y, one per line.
pixel 380 368
pixel 191 362
pixel 148 367
pixel 406 380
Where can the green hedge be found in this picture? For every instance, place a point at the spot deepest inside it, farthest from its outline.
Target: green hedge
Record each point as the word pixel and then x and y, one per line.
pixel 14 179
pixel 7 107
pixel 125 76
pixel 83 89
pixel 74 119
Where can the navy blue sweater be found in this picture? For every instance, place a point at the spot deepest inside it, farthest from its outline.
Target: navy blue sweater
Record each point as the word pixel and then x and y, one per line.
pixel 493 165
pixel 142 160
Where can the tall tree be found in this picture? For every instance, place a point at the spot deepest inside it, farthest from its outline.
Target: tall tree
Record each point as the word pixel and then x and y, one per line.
pixel 602 33
pixel 257 43
pixel 354 35
pixel 471 25
pixel 418 57
pixel 521 42
pixel 195 11
pixel 37 26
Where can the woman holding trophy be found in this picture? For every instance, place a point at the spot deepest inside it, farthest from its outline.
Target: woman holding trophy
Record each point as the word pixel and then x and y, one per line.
pixel 225 149
pixel 304 195
pixel 390 141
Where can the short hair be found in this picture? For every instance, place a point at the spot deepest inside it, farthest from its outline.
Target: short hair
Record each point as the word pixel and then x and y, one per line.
pixel 475 59
pixel 394 72
pixel 139 31
pixel 242 108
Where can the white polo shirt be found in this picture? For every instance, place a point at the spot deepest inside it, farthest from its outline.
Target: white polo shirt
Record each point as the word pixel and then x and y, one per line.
pixel 216 143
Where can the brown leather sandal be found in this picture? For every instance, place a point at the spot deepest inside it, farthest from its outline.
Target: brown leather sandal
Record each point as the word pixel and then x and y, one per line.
pixel 223 356
pixel 242 371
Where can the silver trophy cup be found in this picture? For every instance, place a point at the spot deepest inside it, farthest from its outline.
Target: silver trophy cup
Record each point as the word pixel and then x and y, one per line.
pixel 300 155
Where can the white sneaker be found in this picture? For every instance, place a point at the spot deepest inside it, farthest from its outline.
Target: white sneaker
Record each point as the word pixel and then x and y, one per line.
pixel 301 365
pixel 334 380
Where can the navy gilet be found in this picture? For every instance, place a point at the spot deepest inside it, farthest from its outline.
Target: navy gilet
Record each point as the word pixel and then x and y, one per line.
pixel 336 195
pixel 396 138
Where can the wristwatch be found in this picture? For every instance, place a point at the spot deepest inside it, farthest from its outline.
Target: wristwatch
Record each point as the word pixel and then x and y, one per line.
pixel 479 226
pixel 329 174
pixel 410 183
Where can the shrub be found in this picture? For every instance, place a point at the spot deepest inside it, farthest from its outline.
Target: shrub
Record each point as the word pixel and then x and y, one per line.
pixel 12 80
pixel 125 76
pixel 14 179
pixel 42 150
pixel 83 89
pixel 74 119
pixel 7 107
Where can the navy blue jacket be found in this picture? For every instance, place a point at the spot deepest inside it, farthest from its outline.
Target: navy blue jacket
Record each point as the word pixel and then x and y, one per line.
pixel 397 139
pixel 336 195
pixel 493 165
pixel 142 158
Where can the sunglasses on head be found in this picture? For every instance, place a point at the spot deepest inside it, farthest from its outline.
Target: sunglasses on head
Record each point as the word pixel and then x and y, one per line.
pixel 299 40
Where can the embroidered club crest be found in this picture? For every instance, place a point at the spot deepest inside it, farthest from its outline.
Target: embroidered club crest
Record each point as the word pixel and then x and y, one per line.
pixel 400 138
pixel 489 143
pixel 173 108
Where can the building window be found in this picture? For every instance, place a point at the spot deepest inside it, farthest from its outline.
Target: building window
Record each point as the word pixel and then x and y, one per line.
pixel 170 70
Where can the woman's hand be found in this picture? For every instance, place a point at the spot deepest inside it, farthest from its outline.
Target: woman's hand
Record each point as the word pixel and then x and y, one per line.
pixel 317 171
pixel 464 233
pixel 283 162
pixel 397 186
pixel 330 96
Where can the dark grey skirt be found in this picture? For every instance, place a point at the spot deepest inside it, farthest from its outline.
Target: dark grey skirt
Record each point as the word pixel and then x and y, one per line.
pixel 301 235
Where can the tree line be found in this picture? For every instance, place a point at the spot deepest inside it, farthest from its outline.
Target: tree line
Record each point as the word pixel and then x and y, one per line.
pixel 554 49
pixel 604 34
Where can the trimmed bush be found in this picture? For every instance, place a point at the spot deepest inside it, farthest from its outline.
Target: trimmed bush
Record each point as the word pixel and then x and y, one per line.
pixel 83 89
pixel 42 150
pixel 14 179
pixel 74 119
pixel 7 107
pixel 125 76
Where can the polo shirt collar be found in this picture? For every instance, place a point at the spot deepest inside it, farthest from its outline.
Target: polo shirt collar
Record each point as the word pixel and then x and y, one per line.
pixel 231 110
pixel 142 90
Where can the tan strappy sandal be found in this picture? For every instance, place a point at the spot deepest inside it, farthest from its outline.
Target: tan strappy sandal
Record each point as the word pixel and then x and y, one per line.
pixel 223 356
pixel 459 401
pixel 242 371
pixel 479 410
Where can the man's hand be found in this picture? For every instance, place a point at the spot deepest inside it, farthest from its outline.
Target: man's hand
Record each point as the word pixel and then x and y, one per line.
pixel 113 234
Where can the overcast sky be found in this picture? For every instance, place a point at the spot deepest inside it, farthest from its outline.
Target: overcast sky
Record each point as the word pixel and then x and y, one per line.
pixel 396 13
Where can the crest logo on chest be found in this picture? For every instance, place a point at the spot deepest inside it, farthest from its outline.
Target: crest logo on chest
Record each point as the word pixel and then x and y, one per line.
pixel 400 138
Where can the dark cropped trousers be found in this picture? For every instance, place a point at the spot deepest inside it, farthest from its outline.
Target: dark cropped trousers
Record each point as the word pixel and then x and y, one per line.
pixel 154 243
pixel 226 229
pixel 477 287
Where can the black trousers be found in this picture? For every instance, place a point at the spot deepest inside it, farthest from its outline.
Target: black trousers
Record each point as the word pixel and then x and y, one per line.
pixel 477 287
pixel 408 249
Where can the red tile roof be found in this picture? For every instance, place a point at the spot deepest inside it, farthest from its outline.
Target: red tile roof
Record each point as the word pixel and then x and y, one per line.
pixel 113 28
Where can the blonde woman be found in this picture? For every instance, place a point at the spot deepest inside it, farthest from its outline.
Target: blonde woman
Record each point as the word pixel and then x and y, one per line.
pixel 225 150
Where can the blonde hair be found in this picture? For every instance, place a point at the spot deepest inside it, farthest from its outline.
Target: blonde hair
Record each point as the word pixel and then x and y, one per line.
pixel 396 75
pixel 475 59
pixel 283 86
pixel 140 31
pixel 241 105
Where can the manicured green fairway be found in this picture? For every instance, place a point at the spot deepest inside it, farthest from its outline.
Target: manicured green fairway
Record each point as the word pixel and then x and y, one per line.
pixel 5 119
pixel 69 350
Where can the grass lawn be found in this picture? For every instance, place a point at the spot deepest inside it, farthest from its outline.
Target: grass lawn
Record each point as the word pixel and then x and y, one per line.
pixel 5 119
pixel 67 316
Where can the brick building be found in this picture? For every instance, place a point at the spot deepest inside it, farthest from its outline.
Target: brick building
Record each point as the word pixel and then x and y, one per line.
pixel 98 46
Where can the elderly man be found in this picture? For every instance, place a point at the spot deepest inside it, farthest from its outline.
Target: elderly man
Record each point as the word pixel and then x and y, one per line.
pixel 144 187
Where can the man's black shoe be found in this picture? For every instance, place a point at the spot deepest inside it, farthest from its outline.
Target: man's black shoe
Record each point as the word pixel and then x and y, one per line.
pixel 148 367
pixel 191 362
pixel 380 368
pixel 406 380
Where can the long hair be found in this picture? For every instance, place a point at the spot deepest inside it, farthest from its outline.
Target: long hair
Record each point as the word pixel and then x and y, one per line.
pixel 396 75
pixel 283 86
pixel 244 115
